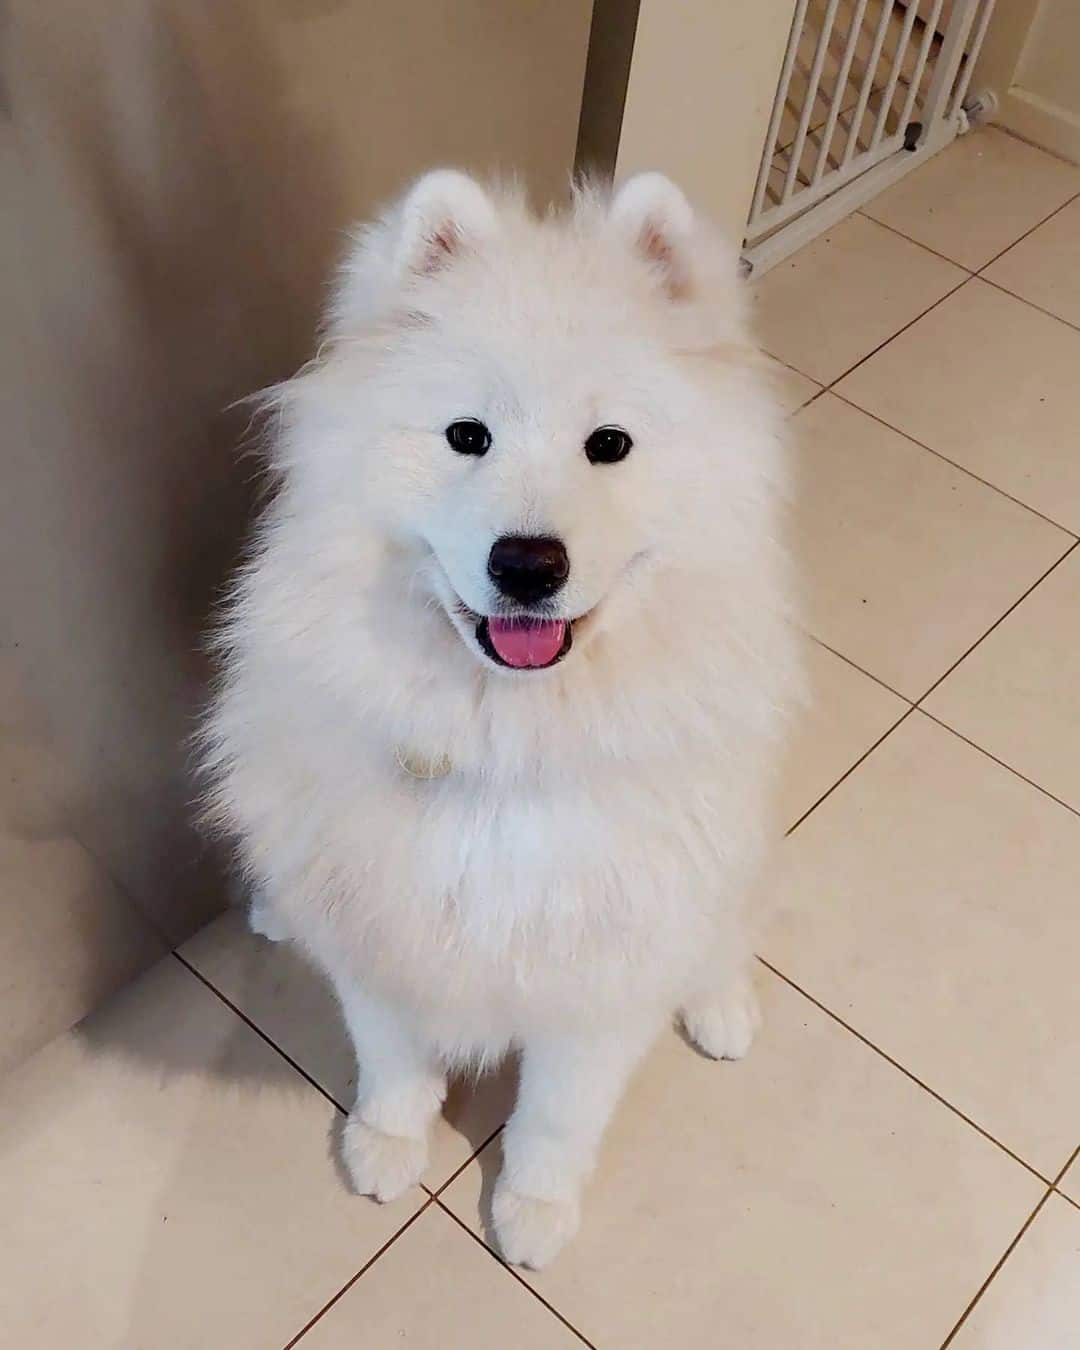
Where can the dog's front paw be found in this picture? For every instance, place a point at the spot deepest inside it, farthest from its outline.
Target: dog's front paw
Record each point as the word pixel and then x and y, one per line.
pixel 381 1165
pixel 724 1026
pixel 532 1232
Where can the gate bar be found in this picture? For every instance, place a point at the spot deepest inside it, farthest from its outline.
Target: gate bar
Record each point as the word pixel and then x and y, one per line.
pixel 778 108
pixel 808 99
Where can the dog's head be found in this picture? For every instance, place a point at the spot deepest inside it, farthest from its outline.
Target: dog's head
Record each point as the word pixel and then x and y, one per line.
pixel 540 416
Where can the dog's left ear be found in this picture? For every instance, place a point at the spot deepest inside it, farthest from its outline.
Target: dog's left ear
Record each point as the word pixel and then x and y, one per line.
pixel 652 214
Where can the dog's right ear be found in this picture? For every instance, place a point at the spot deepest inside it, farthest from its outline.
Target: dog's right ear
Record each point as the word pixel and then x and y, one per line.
pixel 443 215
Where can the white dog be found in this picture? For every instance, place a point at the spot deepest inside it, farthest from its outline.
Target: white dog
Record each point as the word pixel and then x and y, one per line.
pixel 505 679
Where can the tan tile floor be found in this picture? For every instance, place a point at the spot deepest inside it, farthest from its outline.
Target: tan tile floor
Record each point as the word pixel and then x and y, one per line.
pixel 890 1169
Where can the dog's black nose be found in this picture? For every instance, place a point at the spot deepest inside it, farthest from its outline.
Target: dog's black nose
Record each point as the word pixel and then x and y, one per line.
pixel 528 569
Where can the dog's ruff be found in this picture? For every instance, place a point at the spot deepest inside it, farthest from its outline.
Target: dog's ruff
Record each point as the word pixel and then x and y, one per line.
pixel 480 858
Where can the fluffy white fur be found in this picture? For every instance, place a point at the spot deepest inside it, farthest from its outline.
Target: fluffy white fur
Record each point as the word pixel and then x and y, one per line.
pixel 581 874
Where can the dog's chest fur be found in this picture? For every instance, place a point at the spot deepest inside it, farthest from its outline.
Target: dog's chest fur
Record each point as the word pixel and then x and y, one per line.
pixel 453 893
pixel 586 839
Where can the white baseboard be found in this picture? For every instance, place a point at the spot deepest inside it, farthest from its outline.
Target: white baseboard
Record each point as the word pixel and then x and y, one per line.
pixel 1046 124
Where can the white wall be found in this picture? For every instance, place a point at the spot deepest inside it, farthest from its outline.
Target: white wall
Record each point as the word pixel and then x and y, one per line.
pixel 702 81
pixel 1032 61
pixel 1050 62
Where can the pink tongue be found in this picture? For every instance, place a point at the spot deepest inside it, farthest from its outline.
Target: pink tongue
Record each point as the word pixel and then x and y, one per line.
pixel 524 643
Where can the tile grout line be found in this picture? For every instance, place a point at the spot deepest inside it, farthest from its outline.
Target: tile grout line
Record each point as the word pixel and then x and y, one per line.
pixel 511 1272
pixel 828 386
pixel 433 1197
pixel 987 281
pixel 997 622
pixel 870 1045
pixel 812 399
pixel 1052 1189
pixel 312 1082
pixel 1002 763
pixel 1061 1177
pixel 254 1026
pixel 1065 1169
pixel 969 275
pixel 1020 237
pixel 1068 1163
pixel 862 211
pixel 972 271
pixel 788 366
pixel 945 726
pixel 849 771
pixel 469 1160
pixel 862 671
pixel 819 388
pixel 996 1268
pixel 430 1196
pixel 805 403
pixel 363 1269
pixel 979 272
pixel 938 454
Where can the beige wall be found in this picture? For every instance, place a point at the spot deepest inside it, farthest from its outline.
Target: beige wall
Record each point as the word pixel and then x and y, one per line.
pixel 175 176
pixel 1050 63
pixel 1032 61
pixel 702 81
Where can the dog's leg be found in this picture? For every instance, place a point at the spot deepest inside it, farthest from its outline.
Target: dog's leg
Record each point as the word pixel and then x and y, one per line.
pixel 569 1088
pixel 723 1020
pixel 400 1090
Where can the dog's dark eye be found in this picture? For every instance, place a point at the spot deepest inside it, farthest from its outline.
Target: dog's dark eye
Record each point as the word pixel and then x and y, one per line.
pixel 469 437
pixel 607 445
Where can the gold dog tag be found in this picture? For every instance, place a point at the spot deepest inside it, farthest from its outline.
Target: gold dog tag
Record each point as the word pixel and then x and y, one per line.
pixel 416 766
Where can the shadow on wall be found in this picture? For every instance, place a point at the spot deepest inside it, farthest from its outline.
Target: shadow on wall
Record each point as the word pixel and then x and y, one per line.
pixel 176 176
pixel 166 228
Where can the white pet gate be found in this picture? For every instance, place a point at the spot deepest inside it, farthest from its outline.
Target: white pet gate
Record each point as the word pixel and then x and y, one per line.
pixel 868 90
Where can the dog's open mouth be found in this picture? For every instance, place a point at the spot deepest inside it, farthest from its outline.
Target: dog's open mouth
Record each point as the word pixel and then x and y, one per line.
pixel 524 642
pixel 517 641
